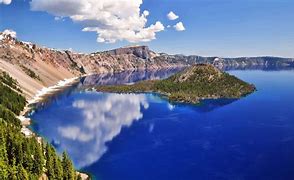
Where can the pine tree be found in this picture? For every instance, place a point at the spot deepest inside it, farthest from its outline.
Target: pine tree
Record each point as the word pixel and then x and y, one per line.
pixel 4 170
pixel 50 161
pixel 28 161
pixel 68 169
pixel 13 171
pixel 58 168
pixel 23 158
pixel 38 158
pixel 22 173
pixel 3 151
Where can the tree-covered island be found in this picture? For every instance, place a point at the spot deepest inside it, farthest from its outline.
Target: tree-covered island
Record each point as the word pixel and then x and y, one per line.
pixel 195 83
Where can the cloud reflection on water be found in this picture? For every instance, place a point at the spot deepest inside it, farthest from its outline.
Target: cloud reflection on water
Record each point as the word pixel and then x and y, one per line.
pixel 103 120
pixel 82 122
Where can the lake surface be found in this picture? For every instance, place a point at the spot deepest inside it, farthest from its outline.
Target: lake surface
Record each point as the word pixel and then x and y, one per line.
pixel 143 137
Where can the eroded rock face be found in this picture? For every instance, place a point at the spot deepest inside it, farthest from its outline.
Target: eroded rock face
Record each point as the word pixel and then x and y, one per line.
pixel 35 66
pixel 41 66
pixel 138 51
pixel 122 59
pixel 128 58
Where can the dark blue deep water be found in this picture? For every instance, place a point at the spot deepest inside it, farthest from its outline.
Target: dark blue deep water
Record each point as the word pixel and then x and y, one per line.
pixel 143 137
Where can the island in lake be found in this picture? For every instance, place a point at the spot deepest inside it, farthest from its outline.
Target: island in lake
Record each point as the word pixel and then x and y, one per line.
pixel 195 83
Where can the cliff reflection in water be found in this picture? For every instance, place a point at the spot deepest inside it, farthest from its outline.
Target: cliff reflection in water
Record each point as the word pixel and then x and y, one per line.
pixel 126 77
pixel 107 79
pixel 82 122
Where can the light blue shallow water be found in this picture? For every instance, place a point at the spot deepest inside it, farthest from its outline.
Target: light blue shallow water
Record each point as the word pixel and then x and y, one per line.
pixel 141 136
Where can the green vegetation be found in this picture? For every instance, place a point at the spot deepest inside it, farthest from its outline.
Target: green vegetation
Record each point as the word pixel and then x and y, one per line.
pixel 197 82
pixel 21 157
pixel 30 73
pixel 10 98
pixel 9 81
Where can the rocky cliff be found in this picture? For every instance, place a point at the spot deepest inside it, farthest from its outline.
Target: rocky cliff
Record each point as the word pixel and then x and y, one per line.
pixel 263 62
pixel 35 67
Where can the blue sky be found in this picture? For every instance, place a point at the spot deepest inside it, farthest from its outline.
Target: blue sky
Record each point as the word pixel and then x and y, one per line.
pixel 212 27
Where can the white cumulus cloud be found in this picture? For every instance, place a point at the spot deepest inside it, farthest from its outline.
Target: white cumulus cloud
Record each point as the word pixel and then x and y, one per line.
pixel 112 20
pixel 179 27
pixel 172 16
pixel 5 1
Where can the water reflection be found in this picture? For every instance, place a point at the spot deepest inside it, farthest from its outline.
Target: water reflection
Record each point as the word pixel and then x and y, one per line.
pixel 212 104
pixel 82 122
pixel 107 79
pixel 100 118
pixel 142 136
pixel 126 77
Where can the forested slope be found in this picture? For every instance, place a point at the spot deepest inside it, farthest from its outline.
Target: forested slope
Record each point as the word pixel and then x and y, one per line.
pixel 24 157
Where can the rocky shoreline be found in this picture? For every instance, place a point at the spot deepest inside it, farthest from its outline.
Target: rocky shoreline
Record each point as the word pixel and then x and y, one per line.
pixel 45 91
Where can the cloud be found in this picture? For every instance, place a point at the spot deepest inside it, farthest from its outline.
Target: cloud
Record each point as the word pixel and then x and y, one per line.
pixel 179 27
pixel 172 16
pixel 112 20
pixel 5 2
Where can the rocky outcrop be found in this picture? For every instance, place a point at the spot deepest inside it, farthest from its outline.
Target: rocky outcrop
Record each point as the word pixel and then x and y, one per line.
pixel 122 59
pixel 32 66
pixel 35 66
pixel 142 52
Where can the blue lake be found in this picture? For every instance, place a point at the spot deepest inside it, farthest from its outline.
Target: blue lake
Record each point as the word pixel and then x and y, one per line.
pixel 144 137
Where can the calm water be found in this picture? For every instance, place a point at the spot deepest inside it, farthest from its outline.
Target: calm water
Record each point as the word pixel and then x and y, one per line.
pixel 143 137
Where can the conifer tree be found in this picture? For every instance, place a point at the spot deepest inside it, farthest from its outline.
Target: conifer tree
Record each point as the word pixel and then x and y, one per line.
pixel 58 168
pixel 4 170
pixel 22 173
pixel 50 161
pixel 68 169
pixel 38 158
pixel 22 157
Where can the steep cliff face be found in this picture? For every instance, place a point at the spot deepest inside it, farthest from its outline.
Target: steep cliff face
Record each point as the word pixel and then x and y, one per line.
pixel 122 59
pixel 35 67
pixel 32 66
pixel 139 51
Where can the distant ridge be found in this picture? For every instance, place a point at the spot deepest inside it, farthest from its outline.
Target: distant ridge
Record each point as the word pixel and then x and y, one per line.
pixel 35 67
